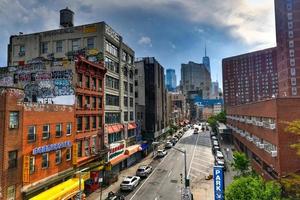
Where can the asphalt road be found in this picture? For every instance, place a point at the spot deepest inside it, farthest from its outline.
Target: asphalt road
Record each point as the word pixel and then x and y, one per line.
pixel 165 181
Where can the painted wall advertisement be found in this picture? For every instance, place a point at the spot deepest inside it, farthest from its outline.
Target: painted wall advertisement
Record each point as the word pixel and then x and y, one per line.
pixel 116 149
pixel 219 183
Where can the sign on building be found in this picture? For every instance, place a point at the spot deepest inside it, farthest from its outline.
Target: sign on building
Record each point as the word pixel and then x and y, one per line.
pixel 219 182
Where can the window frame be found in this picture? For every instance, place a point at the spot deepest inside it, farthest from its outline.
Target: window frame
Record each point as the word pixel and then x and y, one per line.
pixel 68 152
pixel 13 162
pixel 34 133
pixel 58 158
pixel 47 161
pixel 48 132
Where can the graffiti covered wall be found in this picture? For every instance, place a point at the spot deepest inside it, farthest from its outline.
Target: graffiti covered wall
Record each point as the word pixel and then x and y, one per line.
pixel 43 81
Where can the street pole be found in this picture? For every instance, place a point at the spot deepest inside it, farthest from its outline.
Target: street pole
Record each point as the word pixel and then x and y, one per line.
pixel 185 169
pixel 80 185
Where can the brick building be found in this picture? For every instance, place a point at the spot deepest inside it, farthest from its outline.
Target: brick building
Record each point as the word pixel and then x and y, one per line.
pixel 259 131
pixel 36 150
pixel 256 114
pixel 250 77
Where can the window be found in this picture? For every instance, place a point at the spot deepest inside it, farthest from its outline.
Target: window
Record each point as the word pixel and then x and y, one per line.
pixel 291 34
pixel 87 102
pixel 31 134
pixel 69 129
pixel 99 121
pixel 59 46
pixel 68 154
pixel 124 56
pixel 292 53
pixel 112 82
pixel 125 71
pixel 87 148
pixel 290 16
pixel 99 84
pixel 79 77
pixel 136 71
pixel 87 82
pixel 126 116
pixel 79 151
pixel 94 81
pixel 290 25
pixel 22 50
pixel 136 94
pixel 94 123
pixel 293 81
pixel 111 65
pixel 31 164
pixel 13 120
pixel 293 71
pixel 114 137
pixel 130 59
pixel 12 159
pixel 44 47
pixel 131 88
pixel 79 101
pixel 45 160
pixel 75 44
pixel 87 123
pixel 58 129
pixel 131 74
pixel 58 156
pixel 125 86
pixel 136 83
pixel 111 118
pixel 99 102
pixel 91 43
pixel 292 62
pixel 131 116
pixel 131 133
pixel 11 192
pixel 112 100
pixel 46 131
pixel 126 101
pixel 79 123
pixel 93 102
pixel 112 49
pixel 131 102
pixel 291 43
pixel 93 145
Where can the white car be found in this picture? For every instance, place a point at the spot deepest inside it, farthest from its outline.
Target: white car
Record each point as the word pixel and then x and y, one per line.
pixel 219 155
pixel 215 143
pixel 130 182
pixel 144 170
pixel 161 153
pixel 213 137
pixel 169 145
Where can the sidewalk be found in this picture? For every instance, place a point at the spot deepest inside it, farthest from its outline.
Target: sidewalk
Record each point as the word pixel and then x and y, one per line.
pixel 116 186
pixel 229 173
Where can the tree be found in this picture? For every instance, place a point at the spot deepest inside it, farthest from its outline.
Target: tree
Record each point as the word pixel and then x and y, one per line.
pixel 252 188
pixel 291 186
pixel 221 117
pixel 294 127
pixel 240 163
pixel 212 121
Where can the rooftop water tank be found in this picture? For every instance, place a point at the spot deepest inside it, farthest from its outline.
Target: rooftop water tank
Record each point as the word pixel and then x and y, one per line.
pixel 66 18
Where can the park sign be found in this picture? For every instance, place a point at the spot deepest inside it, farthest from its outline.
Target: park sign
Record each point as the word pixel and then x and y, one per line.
pixel 219 182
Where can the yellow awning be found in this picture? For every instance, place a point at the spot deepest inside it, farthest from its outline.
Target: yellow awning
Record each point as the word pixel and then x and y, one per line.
pixel 61 190
pixel 132 149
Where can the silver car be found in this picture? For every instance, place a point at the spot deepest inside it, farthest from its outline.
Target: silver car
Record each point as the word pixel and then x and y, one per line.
pixel 144 170
pixel 130 182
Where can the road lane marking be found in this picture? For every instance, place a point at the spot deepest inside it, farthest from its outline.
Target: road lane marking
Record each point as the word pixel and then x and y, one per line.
pixel 193 155
pixel 148 177
pixel 205 166
pixel 170 173
pixel 205 161
pixel 203 172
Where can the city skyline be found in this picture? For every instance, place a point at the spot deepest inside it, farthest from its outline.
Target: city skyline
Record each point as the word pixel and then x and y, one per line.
pixel 154 29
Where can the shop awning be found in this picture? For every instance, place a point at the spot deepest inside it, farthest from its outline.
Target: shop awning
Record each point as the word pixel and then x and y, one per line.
pixel 132 125
pixel 132 149
pixel 114 128
pixel 118 159
pixel 144 146
pixel 61 190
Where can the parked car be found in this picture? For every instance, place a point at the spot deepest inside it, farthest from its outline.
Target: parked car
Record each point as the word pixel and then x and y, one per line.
pixel 215 143
pixel 113 196
pixel 221 163
pixel 144 170
pixel 219 155
pixel 215 149
pixel 168 145
pixel 207 129
pixel 130 182
pixel 195 131
pixel 161 153
pixel 213 137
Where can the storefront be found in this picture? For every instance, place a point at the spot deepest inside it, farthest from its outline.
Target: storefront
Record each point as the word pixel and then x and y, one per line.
pixel 63 191
pixel 134 154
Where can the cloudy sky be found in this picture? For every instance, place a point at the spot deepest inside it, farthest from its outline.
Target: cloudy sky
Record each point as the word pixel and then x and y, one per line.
pixel 174 31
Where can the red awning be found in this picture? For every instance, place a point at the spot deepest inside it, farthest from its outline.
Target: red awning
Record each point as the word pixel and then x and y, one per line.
pixel 132 125
pixel 114 128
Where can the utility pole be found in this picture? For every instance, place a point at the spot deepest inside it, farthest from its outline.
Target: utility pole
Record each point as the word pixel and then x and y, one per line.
pixel 80 189
pixel 186 181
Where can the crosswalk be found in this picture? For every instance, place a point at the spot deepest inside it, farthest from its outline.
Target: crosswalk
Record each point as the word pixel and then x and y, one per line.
pixel 203 160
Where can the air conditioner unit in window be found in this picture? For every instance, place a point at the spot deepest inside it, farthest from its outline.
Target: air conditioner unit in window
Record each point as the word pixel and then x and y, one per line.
pixel 261 145
pixel 272 126
pixel 88 106
pixel 260 123
pixel 274 153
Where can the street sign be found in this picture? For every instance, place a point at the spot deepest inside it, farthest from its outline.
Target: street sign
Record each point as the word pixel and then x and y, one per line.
pixel 219 182
pixel 100 180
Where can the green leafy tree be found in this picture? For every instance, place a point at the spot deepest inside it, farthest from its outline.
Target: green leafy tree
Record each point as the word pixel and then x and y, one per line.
pixel 252 188
pixel 294 127
pixel 221 117
pixel 212 121
pixel 240 163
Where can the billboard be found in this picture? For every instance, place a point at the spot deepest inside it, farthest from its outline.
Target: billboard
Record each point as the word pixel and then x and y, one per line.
pixel 219 182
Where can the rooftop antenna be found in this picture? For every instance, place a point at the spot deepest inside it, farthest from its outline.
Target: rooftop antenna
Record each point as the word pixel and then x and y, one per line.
pixel 205 49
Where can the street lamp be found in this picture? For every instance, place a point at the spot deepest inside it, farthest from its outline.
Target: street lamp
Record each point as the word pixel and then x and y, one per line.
pixel 79 172
pixel 186 181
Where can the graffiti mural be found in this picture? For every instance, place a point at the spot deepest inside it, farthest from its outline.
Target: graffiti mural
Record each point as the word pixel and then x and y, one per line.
pixel 63 87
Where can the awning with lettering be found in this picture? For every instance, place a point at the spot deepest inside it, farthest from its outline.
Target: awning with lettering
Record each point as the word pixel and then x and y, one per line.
pixel 132 149
pixel 132 125
pixel 114 128
pixel 118 159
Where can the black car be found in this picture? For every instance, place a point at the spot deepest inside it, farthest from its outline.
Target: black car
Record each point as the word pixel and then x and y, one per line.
pixel 113 196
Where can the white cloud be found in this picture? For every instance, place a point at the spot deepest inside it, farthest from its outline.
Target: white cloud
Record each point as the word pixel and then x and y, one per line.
pixel 145 40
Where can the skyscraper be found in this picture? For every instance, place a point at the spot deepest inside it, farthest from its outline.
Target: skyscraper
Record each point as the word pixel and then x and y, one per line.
pixel 214 90
pixel 170 79
pixel 205 61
